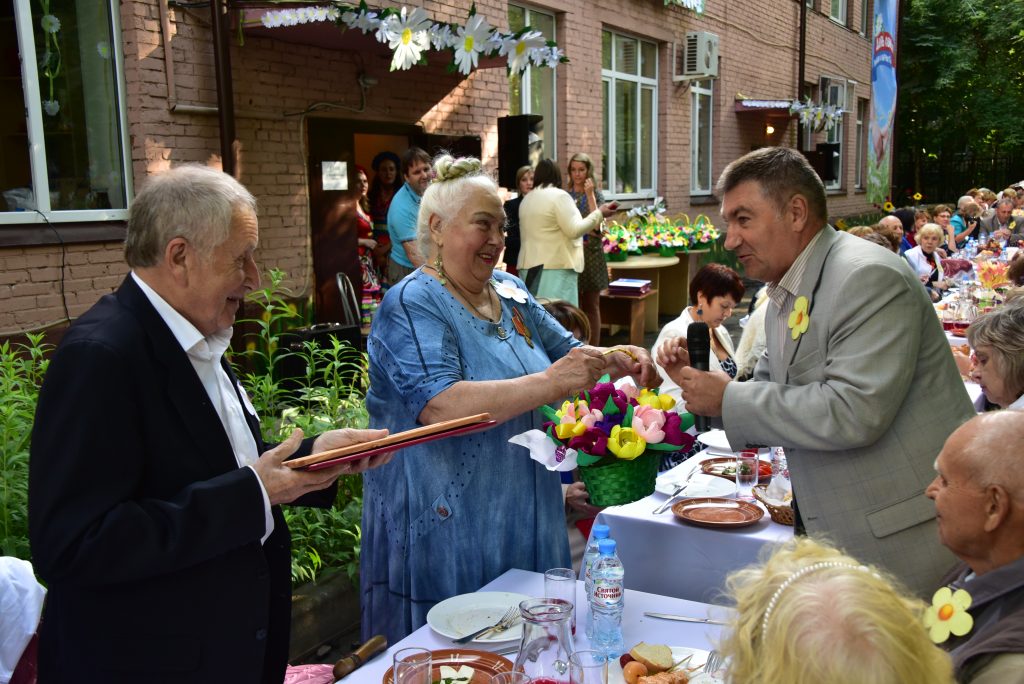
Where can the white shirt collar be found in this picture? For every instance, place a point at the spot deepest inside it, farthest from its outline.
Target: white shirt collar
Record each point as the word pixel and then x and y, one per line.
pixel 187 335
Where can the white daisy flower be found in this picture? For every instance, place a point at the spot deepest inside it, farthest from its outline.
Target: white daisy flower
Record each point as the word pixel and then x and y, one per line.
pixel 518 50
pixel 509 290
pixel 441 36
pixel 472 38
pixel 409 37
pixel 50 23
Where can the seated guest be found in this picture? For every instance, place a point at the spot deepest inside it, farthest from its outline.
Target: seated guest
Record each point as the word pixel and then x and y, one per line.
pixel 979 503
pixel 810 614
pixel 752 342
pixel 921 217
pixel 890 229
pixel 966 222
pixel 570 317
pixel 997 338
pixel 860 231
pixel 942 214
pixel 1015 273
pixel 998 225
pixel 906 218
pixel 925 261
pixel 714 292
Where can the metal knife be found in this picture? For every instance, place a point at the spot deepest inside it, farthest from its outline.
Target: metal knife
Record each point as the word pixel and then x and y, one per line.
pixel 683 618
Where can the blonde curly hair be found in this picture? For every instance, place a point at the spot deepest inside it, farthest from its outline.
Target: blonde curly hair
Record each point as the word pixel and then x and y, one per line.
pixel 453 178
pixel 841 623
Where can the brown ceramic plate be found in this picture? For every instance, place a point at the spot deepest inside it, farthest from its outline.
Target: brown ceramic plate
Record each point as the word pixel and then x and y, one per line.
pixel 717 466
pixel 716 512
pixel 485 665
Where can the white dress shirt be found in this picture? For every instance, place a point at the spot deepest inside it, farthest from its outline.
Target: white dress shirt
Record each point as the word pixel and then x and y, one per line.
pixel 205 355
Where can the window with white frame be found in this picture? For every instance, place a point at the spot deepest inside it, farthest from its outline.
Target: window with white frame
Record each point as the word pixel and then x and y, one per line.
pixel 629 81
pixel 837 10
pixel 701 136
pixel 63 143
pixel 533 91
pixel 833 92
pixel 862 145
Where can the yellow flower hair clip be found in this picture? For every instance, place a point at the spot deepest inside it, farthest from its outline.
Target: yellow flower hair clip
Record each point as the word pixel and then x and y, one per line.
pixel 799 319
pixel 948 614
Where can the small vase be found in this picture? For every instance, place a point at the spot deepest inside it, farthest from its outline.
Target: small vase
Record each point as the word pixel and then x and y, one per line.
pixel 546 643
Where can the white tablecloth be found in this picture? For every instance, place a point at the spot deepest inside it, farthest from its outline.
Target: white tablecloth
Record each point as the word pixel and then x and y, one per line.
pixel 664 555
pixel 635 626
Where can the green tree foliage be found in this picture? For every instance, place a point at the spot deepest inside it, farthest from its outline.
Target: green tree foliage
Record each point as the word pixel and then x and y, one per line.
pixel 961 70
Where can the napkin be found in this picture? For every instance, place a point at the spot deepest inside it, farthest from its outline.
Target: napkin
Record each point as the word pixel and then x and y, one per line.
pixel 550 455
pixel 779 489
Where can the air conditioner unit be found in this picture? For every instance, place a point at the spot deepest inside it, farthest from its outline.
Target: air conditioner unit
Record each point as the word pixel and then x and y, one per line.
pixel 699 57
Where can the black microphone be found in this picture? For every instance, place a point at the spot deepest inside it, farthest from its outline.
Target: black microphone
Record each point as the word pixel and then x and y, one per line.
pixel 698 344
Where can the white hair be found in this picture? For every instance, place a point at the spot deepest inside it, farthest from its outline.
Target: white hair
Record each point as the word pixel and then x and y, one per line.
pixel 190 201
pixel 453 178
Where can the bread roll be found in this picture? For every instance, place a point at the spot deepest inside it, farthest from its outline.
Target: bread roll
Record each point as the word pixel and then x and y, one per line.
pixel 657 657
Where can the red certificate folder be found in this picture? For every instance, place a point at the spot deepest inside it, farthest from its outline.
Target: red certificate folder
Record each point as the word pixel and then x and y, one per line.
pixel 400 440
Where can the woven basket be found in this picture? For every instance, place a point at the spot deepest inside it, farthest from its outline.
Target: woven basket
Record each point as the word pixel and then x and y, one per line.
pixel 780 514
pixel 616 256
pixel 621 482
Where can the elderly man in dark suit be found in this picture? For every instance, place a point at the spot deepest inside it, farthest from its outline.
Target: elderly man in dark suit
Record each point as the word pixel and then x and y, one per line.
pixel 857 382
pixel 153 501
pixel 979 502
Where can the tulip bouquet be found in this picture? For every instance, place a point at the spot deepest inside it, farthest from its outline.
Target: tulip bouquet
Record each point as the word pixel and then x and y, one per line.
pixel 991 274
pixel 615 435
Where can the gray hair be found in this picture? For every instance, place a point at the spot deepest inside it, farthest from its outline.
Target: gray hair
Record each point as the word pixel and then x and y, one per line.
pixel 447 192
pixel 1004 202
pixel 191 201
pixel 781 172
pixel 1003 331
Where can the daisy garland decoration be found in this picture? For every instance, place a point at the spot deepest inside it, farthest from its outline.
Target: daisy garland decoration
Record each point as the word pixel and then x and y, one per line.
pixel 409 32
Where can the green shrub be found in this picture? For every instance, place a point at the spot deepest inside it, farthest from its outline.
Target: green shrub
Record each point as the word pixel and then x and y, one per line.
pixel 22 367
pixel 329 394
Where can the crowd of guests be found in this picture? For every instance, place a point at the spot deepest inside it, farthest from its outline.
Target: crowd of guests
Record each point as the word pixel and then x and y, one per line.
pixel 170 528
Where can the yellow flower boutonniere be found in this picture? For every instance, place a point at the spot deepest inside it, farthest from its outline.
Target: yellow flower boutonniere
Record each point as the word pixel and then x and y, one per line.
pixel 799 319
pixel 948 614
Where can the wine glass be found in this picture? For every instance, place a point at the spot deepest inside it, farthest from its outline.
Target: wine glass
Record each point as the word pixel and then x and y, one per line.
pixel 746 474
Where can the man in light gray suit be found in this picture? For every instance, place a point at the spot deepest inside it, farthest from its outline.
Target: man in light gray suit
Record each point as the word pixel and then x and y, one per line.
pixel 857 383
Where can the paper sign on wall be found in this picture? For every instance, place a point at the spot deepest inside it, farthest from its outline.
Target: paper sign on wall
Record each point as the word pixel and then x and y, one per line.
pixel 335 175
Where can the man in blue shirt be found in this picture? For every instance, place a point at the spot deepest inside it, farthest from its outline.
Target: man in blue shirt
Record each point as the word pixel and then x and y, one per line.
pixel 402 215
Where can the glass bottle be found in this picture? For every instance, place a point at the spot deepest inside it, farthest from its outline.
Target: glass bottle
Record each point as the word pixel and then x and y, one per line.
pixel 546 642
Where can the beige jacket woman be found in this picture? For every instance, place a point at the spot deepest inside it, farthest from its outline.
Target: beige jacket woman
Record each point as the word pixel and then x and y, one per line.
pixel 551 228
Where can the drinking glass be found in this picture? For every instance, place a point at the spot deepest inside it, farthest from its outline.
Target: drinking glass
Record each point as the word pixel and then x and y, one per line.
pixel 560 583
pixel 412 666
pixel 588 667
pixel 512 678
pixel 746 474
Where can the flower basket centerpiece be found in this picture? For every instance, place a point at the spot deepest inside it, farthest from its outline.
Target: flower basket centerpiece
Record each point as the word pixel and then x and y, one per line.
pixel 615 435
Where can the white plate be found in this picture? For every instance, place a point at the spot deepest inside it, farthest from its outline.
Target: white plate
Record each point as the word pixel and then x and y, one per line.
pixel 715 439
pixel 700 485
pixel 466 613
pixel 678 653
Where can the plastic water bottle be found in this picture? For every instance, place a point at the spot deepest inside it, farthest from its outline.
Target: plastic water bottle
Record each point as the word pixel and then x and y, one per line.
pixel 590 556
pixel 609 599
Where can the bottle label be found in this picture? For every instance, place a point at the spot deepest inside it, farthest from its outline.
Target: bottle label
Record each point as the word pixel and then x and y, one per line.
pixel 608 592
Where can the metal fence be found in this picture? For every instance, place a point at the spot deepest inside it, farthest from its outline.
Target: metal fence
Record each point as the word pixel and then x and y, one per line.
pixel 945 178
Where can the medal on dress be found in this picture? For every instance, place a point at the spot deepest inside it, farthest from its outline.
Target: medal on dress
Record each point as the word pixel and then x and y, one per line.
pixel 520 326
pixel 502 333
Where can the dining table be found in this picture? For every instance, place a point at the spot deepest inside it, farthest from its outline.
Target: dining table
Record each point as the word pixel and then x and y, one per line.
pixel 664 555
pixel 636 626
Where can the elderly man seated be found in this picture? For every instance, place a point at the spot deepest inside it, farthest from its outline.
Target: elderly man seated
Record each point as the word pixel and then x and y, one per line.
pixel 979 503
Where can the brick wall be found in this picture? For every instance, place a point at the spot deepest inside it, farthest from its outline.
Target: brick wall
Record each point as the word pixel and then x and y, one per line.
pixel 275 81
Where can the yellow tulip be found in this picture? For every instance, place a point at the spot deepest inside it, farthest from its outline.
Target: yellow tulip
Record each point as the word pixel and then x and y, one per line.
pixel 625 443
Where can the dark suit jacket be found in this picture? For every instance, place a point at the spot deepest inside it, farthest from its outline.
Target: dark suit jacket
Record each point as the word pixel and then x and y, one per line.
pixel 142 524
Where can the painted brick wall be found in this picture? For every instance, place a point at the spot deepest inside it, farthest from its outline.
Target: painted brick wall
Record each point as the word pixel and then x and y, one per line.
pixel 275 81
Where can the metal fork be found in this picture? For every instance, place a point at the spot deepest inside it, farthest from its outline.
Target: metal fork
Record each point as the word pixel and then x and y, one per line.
pixel 501 625
pixel 714 661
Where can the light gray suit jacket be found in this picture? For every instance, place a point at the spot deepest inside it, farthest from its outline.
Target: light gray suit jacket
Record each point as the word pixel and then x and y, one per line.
pixel 862 402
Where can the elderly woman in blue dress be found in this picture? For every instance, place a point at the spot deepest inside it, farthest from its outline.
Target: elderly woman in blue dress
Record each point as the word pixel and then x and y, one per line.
pixel 457 338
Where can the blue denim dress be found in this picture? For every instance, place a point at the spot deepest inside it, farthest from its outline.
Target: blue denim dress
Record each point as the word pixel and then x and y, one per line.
pixel 446 517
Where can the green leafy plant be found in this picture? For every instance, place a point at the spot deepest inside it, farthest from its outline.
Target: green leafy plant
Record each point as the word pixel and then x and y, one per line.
pixel 22 367
pixel 327 394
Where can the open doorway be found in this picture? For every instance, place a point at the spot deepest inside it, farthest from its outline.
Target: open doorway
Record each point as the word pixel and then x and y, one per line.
pixel 336 147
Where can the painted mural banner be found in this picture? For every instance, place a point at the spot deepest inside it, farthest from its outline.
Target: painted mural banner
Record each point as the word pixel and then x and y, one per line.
pixel 883 101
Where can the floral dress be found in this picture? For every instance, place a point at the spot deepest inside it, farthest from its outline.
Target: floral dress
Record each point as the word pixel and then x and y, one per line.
pixel 445 518
pixel 595 269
